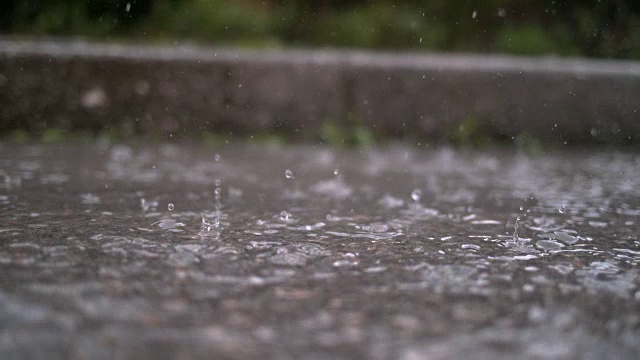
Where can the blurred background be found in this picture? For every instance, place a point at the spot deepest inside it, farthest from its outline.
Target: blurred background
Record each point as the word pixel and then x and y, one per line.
pixel 590 28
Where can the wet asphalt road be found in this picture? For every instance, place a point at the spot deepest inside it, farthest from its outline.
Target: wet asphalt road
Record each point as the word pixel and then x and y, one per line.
pixel 180 251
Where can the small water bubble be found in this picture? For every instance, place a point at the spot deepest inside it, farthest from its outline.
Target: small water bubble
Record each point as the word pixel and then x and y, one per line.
pixel 288 174
pixel 416 194
pixel 170 207
pixel 562 209
pixel 216 157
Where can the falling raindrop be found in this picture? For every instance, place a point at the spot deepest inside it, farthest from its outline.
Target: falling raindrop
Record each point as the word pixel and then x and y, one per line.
pixel 474 14
pixel 216 157
pixel 336 172
pixel 416 194
pixel 170 207
pixel 288 174
pixel 562 209
pixel 515 230
pixel 128 7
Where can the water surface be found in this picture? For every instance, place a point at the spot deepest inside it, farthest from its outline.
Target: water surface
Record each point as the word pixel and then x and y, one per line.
pixel 183 251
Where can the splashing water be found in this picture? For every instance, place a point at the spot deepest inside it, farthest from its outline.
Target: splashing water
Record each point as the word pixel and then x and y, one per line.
pixel 285 216
pixel 210 224
pixel 416 194
pixel 211 220
pixel 147 205
pixel 288 174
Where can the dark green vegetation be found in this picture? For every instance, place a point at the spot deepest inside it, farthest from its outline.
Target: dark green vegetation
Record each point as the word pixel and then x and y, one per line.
pixel 605 28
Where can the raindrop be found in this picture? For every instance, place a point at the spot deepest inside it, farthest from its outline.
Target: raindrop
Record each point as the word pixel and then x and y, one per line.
pixel 288 174
pixel 515 230
pixel 128 7
pixel 562 209
pixel 170 207
pixel 416 194
pixel 336 172
pixel 216 157
pixel 474 14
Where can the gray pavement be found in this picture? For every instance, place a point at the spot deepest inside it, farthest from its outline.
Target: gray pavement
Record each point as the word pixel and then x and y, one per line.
pixel 183 90
pixel 177 251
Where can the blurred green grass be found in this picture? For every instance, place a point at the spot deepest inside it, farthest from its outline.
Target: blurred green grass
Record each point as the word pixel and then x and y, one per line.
pixel 605 28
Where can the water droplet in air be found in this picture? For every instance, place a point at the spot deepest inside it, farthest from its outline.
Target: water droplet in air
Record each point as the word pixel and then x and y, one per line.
pixel 416 194
pixel 128 7
pixel 170 207
pixel 474 14
pixel 562 209
pixel 216 157
pixel 288 174
pixel 336 172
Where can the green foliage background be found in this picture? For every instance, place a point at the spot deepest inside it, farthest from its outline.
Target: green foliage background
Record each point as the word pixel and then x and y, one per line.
pixel 594 28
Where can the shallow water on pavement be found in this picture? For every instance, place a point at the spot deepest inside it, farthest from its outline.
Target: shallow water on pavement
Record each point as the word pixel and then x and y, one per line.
pixel 176 250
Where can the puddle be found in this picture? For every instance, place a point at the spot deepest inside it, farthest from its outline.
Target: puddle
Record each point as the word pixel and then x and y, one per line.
pixel 427 254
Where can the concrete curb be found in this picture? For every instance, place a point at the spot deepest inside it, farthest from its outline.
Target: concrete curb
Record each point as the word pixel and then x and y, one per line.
pixel 186 89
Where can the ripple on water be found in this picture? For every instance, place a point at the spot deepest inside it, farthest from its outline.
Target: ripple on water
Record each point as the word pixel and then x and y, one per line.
pixel 183 258
pixel 288 258
pixel 90 199
pixel 565 237
pixel 335 188
pixel 549 245
pixel 391 202
pixel 601 277
pixel 171 225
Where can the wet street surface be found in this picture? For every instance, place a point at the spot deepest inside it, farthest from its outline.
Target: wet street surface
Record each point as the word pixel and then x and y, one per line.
pixel 245 251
